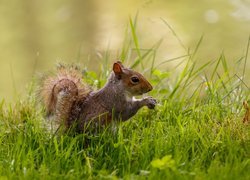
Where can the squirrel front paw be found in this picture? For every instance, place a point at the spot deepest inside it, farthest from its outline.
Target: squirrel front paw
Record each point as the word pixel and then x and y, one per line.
pixel 150 102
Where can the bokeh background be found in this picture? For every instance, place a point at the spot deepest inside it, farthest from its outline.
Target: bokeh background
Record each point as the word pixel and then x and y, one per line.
pixel 36 34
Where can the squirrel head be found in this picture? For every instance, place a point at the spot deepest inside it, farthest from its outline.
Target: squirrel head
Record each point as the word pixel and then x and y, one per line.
pixel 133 82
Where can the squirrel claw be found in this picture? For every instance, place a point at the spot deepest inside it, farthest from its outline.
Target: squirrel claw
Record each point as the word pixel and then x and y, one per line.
pixel 151 102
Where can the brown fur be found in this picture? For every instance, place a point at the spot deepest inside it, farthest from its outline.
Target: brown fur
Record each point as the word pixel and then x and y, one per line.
pixel 60 91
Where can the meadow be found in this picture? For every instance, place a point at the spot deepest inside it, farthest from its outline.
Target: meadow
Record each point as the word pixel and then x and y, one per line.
pixel 195 132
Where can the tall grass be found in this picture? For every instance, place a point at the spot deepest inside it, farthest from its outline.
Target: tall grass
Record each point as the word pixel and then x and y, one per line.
pixel 196 131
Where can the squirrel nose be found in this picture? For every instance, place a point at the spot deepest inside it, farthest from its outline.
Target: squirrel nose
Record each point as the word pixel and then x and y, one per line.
pixel 150 87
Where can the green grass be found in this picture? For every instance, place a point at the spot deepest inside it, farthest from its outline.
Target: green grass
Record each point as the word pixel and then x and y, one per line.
pixel 196 131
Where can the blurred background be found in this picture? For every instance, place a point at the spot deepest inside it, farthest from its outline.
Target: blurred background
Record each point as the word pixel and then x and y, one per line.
pixel 35 34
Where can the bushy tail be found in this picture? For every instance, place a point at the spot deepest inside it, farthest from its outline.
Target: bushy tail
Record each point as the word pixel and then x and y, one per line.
pixel 60 91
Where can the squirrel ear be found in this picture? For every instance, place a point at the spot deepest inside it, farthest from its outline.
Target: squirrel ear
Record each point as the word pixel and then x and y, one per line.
pixel 119 62
pixel 117 68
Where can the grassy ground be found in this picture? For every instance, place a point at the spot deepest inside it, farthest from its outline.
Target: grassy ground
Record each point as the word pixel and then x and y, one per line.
pixel 196 131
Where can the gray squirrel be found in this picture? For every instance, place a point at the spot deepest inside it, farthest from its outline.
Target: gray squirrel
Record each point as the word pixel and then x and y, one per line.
pixel 73 103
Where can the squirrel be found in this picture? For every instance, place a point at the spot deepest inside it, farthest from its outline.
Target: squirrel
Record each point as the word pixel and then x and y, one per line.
pixel 72 102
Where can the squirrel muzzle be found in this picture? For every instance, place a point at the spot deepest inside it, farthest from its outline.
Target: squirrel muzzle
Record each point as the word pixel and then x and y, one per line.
pixel 146 87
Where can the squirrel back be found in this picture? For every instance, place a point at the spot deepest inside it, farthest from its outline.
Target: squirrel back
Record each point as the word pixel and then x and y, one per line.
pixel 72 102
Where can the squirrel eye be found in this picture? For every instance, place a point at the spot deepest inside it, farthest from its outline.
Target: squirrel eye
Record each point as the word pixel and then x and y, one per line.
pixel 135 80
